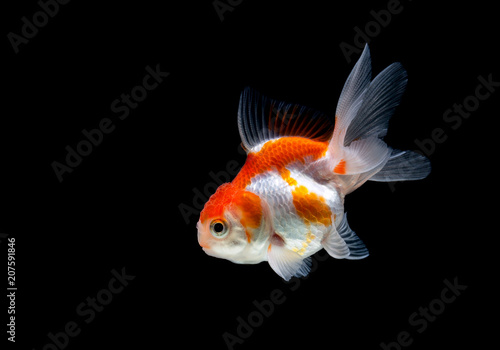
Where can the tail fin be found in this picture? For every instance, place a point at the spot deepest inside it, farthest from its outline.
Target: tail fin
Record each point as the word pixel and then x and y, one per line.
pixel 365 106
pixel 402 166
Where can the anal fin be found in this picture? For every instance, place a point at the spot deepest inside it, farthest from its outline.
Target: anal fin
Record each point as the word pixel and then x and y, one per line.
pixel 335 245
pixel 343 243
pixel 357 249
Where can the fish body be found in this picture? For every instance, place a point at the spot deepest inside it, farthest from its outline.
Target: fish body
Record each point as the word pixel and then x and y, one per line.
pixel 287 201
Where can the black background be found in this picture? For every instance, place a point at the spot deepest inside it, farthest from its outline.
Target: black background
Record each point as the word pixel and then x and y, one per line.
pixel 120 207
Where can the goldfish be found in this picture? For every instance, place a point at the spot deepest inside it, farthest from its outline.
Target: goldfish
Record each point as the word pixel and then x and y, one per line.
pixel 287 201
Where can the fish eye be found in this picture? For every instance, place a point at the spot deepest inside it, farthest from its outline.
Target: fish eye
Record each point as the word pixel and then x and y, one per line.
pixel 218 228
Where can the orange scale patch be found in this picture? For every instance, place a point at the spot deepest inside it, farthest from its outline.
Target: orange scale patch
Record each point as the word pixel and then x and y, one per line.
pixel 278 154
pixel 247 203
pixel 218 202
pixel 285 174
pixel 311 207
pixel 251 212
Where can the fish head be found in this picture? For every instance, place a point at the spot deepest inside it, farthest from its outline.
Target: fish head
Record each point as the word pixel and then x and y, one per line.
pixel 233 225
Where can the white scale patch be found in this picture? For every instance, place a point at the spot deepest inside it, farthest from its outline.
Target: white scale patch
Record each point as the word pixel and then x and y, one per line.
pixel 299 237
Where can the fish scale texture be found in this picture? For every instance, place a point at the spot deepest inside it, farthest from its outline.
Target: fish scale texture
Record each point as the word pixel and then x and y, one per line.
pixel 277 154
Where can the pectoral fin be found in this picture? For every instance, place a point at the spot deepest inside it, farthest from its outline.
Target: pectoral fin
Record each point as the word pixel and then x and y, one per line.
pixel 285 262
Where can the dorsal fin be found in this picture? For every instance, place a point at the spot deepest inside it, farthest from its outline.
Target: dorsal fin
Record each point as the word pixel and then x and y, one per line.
pixel 261 119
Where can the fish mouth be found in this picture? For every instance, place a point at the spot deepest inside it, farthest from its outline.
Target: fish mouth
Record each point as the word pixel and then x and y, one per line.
pixel 204 246
pixel 210 252
pixel 202 242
